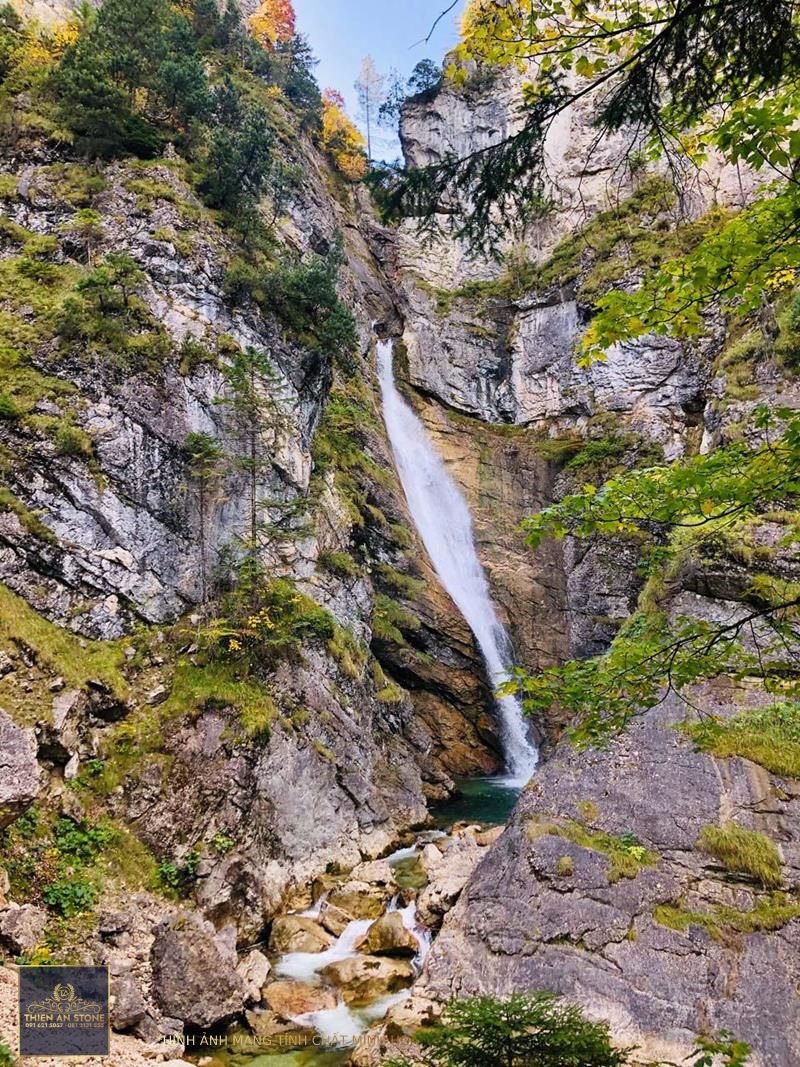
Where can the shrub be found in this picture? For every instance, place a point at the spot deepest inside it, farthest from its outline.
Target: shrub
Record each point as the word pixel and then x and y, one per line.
pixel 267 622
pixel 70 440
pixel 9 408
pixel 222 843
pixel 743 851
pixel 626 854
pixel 303 295
pixel 525 1029
pixel 338 563
pixel 81 841
pixel 390 620
pixel 565 866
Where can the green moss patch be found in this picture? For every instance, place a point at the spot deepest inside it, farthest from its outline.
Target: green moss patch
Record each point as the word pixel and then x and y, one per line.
pixel 391 621
pixel 58 652
pixel 626 854
pixel 29 519
pixel 770 913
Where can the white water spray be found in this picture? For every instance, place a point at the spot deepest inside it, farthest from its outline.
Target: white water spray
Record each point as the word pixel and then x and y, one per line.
pixel 444 523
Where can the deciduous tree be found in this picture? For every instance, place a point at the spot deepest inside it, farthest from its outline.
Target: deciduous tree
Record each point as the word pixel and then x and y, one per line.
pixel 273 21
pixel 340 138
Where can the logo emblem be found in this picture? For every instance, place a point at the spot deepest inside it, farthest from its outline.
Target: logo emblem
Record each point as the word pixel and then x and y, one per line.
pixel 63 1011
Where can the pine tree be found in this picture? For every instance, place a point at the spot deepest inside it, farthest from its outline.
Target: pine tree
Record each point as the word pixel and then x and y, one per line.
pixel 205 468
pixel 239 161
pixel 255 411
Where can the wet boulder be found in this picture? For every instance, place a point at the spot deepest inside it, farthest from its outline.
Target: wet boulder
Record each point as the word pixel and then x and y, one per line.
pixel 360 899
pixel 388 936
pixel 298 933
pixel 335 920
pixel 364 979
pixel 290 999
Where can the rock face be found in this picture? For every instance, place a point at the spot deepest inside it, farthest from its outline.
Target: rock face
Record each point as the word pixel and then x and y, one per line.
pixel 650 949
pixel 362 733
pixel 19 771
pixel 194 980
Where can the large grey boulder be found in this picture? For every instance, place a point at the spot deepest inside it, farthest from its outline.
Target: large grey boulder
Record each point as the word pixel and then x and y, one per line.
pixel 19 771
pixel 194 979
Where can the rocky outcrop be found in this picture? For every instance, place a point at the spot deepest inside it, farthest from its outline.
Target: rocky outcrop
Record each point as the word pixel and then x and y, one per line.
pixel 663 948
pixel 22 928
pixel 20 775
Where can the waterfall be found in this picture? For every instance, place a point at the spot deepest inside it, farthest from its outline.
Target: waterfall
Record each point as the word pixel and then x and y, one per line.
pixel 444 523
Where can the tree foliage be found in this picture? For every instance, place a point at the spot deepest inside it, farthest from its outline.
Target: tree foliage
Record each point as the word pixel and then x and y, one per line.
pixel 370 88
pixel 426 77
pixel 670 511
pixel 136 74
pixel 525 1030
pixel 273 21
pixel 340 138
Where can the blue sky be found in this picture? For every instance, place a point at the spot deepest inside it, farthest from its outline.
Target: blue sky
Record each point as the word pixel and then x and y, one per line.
pixel 342 32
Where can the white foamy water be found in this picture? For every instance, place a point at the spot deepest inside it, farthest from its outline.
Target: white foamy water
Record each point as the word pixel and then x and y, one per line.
pixel 342 1025
pixel 314 911
pixel 303 966
pixel 444 523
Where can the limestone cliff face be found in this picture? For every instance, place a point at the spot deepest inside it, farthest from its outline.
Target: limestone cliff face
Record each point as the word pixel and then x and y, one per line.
pixel 490 362
pixel 109 540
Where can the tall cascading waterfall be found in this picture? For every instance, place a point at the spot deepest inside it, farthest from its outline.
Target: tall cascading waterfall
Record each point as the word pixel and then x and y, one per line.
pixel 444 523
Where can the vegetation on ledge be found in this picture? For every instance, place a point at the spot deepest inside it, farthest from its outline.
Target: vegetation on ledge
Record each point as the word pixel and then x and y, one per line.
pixel 743 852
pixel 625 852
pixel 769 736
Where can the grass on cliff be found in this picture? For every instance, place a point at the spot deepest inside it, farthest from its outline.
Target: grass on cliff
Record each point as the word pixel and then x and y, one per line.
pixel 29 520
pixel 633 235
pixel 744 852
pixel 625 852
pixel 391 621
pixel 57 651
pixel 770 913
pixel 767 736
